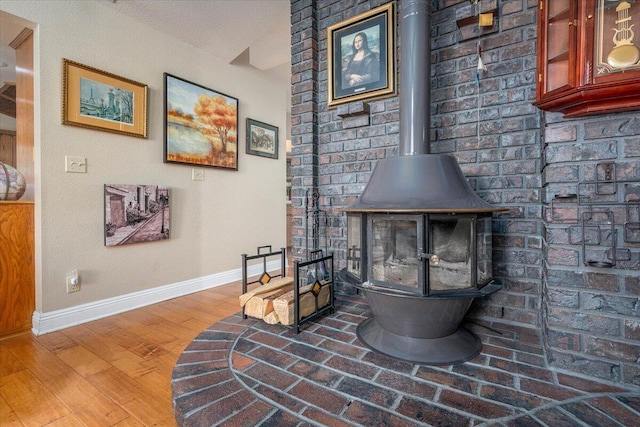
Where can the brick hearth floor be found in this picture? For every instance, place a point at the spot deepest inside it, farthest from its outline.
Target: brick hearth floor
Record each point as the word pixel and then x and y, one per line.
pixel 247 373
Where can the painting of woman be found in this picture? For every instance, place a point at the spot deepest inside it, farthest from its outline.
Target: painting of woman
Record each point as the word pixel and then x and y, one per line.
pixel 362 66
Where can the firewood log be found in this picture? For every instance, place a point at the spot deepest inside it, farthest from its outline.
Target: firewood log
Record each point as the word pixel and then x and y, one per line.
pixel 273 284
pixel 262 304
pixel 271 318
pixel 283 305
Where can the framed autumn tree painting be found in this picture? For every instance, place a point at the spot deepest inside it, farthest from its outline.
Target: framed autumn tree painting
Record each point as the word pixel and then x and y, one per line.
pixel 201 125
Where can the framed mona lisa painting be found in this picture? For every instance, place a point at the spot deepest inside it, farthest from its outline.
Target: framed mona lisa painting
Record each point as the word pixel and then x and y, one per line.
pixel 361 56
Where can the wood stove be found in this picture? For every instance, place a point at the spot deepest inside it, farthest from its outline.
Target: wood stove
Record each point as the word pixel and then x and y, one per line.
pixel 419 237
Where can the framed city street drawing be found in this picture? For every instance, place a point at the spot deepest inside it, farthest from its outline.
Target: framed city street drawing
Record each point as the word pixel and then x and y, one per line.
pixel 135 213
pixel 200 125
pixel 361 56
pixel 95 99
pixel 262 139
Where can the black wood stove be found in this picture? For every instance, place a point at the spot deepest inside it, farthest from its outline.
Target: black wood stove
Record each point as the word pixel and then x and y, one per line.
pixel 419 238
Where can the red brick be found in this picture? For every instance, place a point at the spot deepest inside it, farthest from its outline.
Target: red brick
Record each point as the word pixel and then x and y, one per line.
pixel 307 352
pixel 483 373
pixel 352 367
pixel 273 357
pixel 323 418
pixel 240 362
pixel 280 398
pixel 190 384
pixel 586 385
pixel 271 340
pixel 473 405
pixel 512 397
pixel 522 369
pixel 430 414
pixel 407 385
pixel 588 414
pixel 447 379
pixel 208 345
pixel 343 349
pixel 368 392
pixel 370 416
pixel 204 397
pixel 556 418
pixel 202 356
pixel 492 350
pixel 315 373
pixel 269 375
pixel 616 410
pixel 318 396
pixel 214 413
pixel 181 371
pixel 251 415
pixel 531 359
pixel 545 389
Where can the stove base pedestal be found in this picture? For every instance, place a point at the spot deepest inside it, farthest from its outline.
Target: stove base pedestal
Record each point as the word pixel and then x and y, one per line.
pixel 458 347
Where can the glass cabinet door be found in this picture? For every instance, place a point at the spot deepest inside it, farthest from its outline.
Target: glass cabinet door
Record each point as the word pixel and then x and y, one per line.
pixel 558 38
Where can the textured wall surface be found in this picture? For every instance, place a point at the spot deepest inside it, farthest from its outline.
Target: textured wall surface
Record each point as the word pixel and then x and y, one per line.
pixel 514 155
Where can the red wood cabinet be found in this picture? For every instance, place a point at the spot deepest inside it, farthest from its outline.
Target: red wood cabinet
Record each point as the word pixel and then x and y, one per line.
pixel 588 56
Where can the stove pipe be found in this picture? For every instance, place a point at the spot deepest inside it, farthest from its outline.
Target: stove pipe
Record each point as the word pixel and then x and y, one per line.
pixel 417 181
pixel 415 76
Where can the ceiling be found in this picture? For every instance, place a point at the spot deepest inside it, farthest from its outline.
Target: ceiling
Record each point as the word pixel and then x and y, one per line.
pixel 243 32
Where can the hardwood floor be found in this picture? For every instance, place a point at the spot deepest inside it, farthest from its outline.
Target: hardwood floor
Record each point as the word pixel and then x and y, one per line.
pixel 110 372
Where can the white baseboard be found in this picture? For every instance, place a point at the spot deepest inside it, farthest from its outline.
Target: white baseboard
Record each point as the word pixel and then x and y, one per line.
pixel 43 323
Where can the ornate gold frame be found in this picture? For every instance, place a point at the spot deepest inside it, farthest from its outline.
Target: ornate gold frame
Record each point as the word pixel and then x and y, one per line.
pixel 74 106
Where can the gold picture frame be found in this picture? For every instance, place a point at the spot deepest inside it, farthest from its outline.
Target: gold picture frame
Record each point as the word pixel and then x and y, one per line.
pixel 96 99
pixel 361 56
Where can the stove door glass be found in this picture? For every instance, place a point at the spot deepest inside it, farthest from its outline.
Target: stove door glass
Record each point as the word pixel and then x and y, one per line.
pixel 484 247
pixel 450 239
pixel 394 251
pixel 354 244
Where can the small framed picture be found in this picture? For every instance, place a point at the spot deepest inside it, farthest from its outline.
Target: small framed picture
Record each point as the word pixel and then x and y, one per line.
pixel 95 99
pixel 201 125
pixel 361 56
pixel 262 139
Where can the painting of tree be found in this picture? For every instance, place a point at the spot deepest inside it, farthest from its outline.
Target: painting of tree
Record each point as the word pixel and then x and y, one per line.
pixel 201 125
pixel 216 112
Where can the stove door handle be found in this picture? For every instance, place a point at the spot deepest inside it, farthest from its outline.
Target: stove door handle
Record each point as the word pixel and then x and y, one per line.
pixel 432 258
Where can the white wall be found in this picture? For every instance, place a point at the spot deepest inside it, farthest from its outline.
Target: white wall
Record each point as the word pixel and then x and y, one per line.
pixel 212 222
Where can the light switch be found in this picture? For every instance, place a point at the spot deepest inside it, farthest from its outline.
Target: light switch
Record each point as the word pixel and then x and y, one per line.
pixel 75 164
pixel 197 174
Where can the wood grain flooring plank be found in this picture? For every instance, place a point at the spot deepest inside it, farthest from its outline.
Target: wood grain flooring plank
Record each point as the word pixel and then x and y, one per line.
pixel 112 372
pixel 31 401
pixel 9 363
pixel 43 363
pixel 90 405
pixel 8 418
pixel 82 360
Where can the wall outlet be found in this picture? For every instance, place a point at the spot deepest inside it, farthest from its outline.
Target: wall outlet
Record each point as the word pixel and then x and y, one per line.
pixel 73 282
pixel 197 174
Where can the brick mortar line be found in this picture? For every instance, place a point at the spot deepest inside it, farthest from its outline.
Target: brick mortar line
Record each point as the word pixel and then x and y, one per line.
pixel 259 396
pixel 349 397
pixel 200 408
pixel 559 403
pixel 370 382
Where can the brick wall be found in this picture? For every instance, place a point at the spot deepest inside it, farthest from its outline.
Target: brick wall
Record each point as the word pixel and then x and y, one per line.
pixel 515 156
pixel 592 314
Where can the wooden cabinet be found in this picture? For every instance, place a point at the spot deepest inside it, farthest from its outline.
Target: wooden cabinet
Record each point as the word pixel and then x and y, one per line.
pixel 588 56
pixel 17 268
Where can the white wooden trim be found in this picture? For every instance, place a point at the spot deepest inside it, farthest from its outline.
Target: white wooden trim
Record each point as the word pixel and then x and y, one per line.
pixel 43 323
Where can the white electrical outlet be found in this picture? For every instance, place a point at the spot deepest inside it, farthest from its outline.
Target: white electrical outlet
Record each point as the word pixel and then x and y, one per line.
pixel 73 282
pixel 197 174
